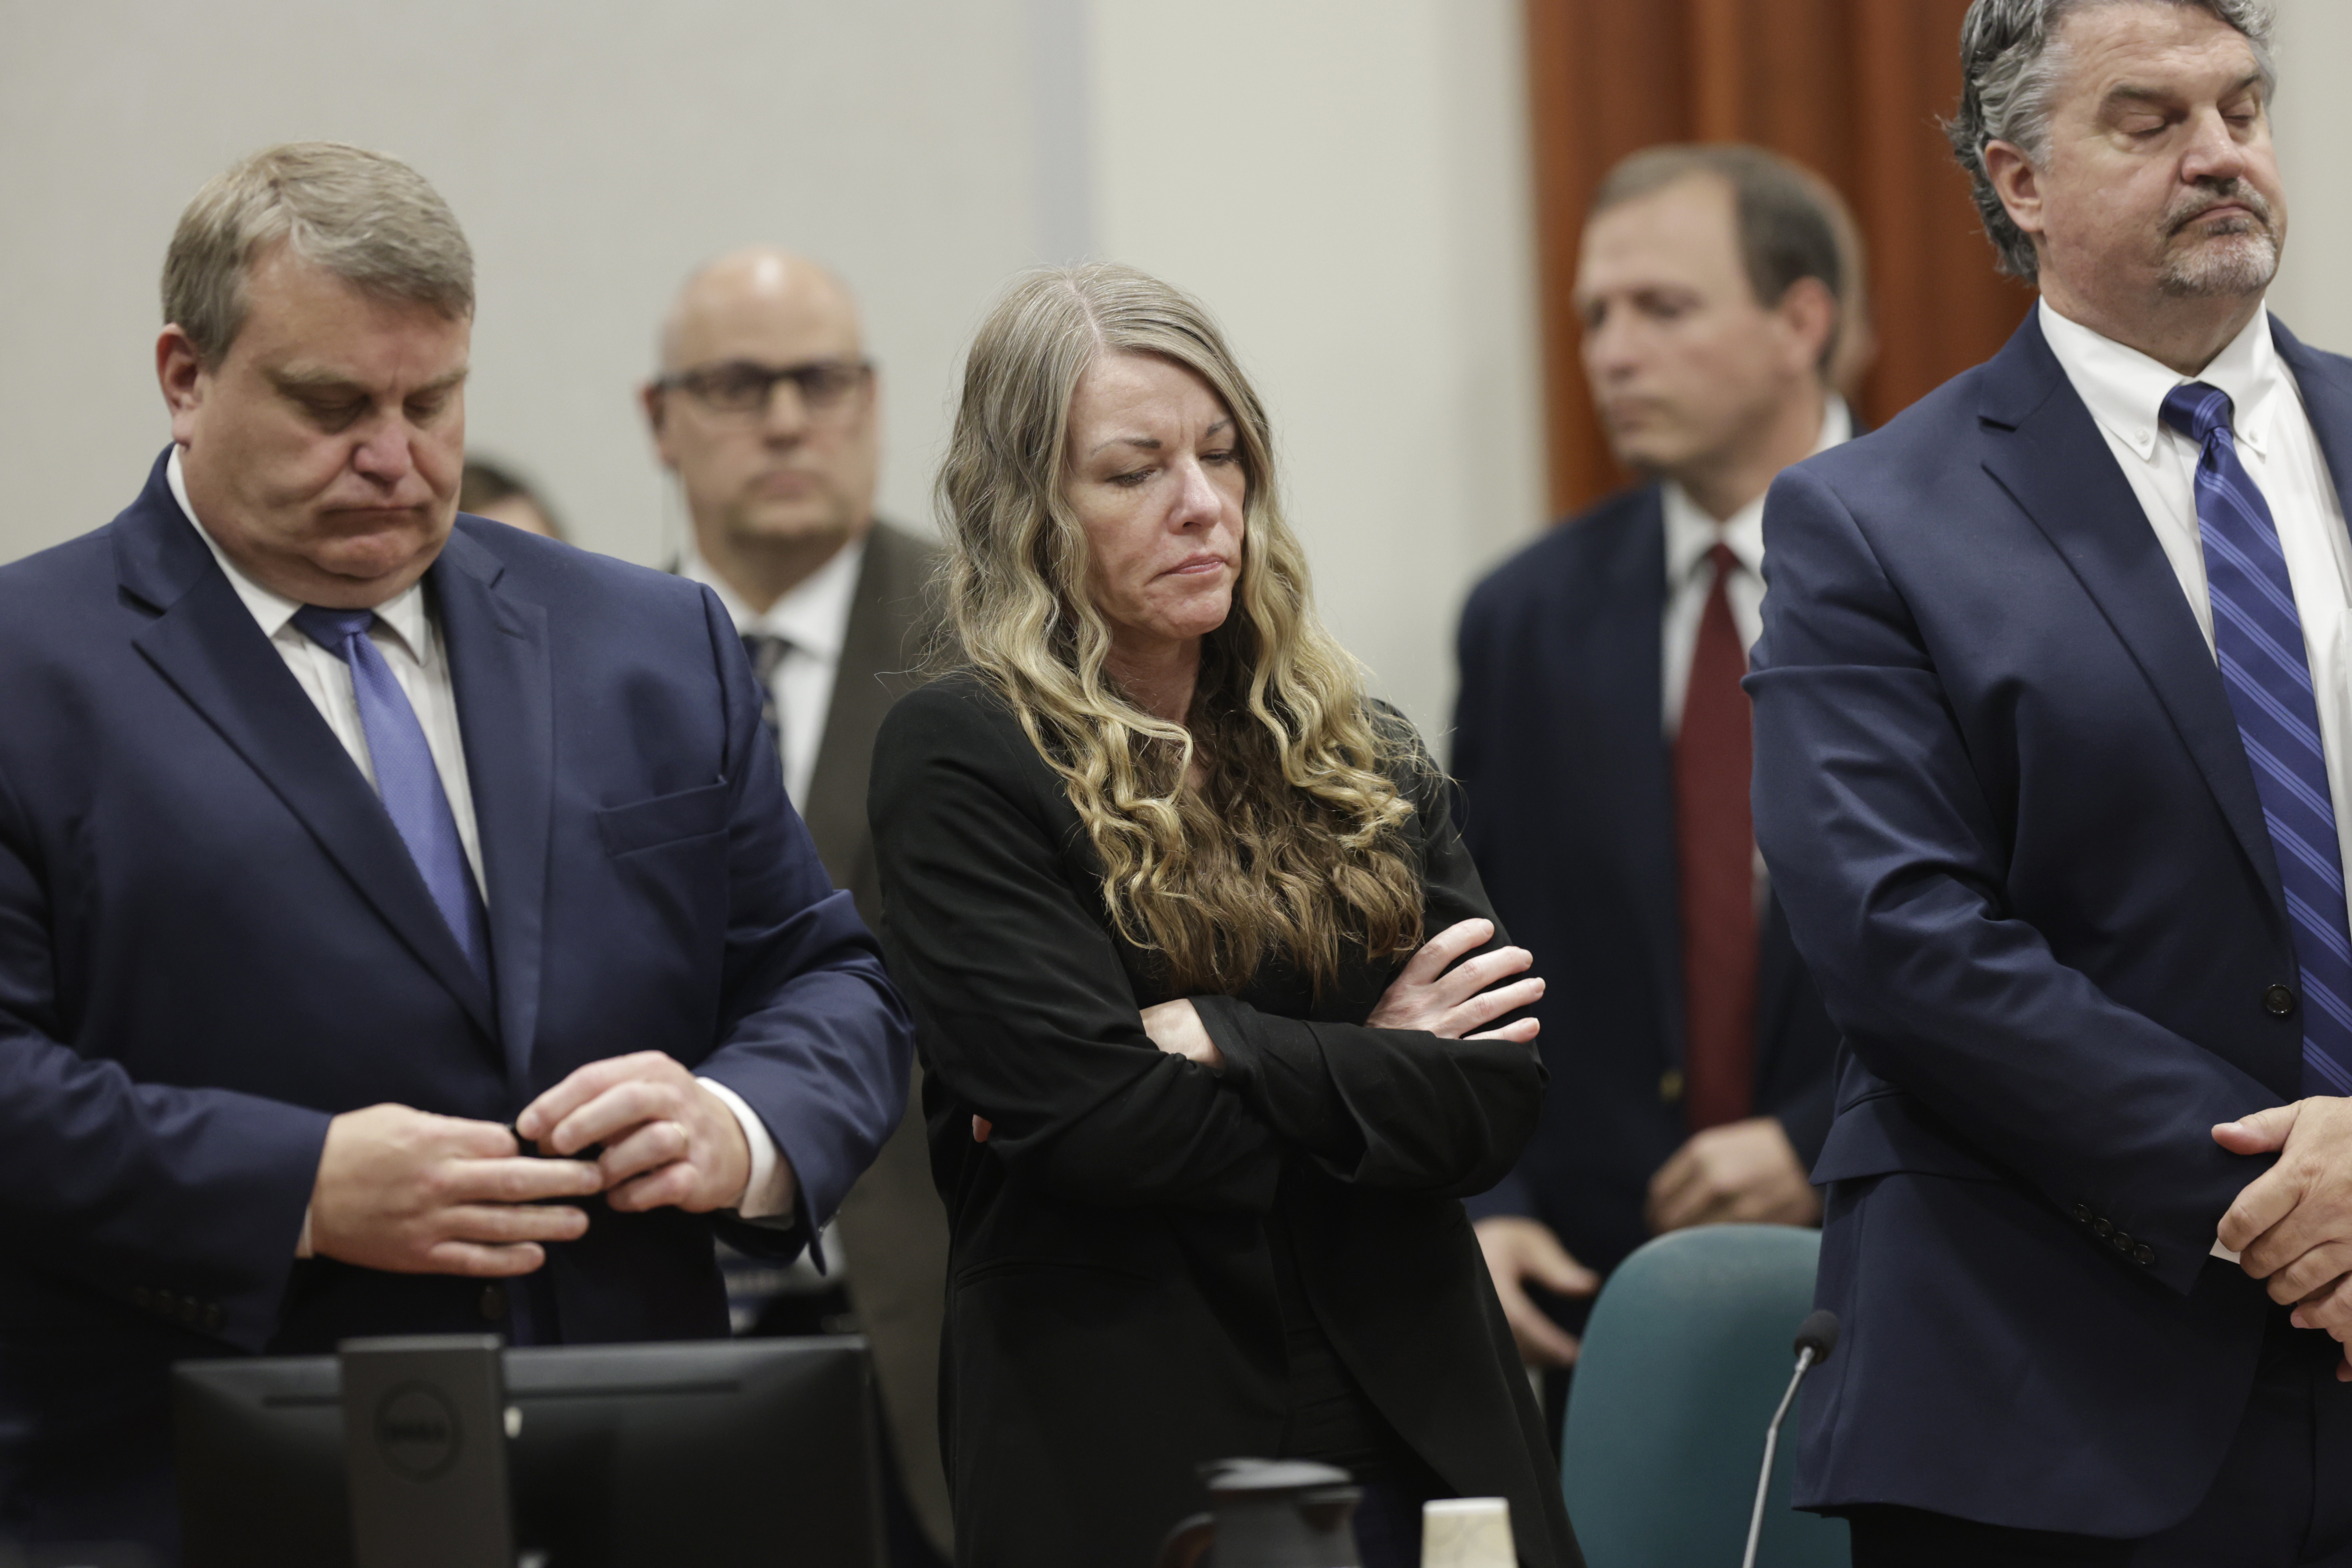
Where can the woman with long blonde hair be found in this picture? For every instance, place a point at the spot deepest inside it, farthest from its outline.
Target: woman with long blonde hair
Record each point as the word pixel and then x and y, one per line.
pixel 1216 1017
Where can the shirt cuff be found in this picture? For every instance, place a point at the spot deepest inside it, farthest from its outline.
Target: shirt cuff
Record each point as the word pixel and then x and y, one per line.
pixel 302 1243
pixel 767 1194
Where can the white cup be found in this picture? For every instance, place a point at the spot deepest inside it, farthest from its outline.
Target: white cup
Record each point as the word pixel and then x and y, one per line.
pixel 1468 1532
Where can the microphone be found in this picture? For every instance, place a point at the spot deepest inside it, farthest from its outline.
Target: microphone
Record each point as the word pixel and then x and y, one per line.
pixel 1816 1336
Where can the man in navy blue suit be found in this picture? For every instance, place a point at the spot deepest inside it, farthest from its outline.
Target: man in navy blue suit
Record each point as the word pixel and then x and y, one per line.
pixel 2053 773
pixel 344 843
pixel 1600 739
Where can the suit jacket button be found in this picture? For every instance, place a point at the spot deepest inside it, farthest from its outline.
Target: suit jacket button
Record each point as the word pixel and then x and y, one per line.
pixel 2102 1227
pixel 1670 1085
pixel 494 1303
pixel 2081 1214
pixel 2278 1001
pixel 2122 1242
pixel 2143 1255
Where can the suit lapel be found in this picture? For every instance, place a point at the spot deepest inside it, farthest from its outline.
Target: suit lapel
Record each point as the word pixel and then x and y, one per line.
pixel 1632 737
pixel 499 664
pixel 2042 447
pixel 2325 383
pixel 204 642
pixel 870 676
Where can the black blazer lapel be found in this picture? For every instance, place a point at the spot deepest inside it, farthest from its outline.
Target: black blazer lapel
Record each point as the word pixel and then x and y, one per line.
pixel 498 663
pixel 1631 738
pixel 2042 447
pixel 204 642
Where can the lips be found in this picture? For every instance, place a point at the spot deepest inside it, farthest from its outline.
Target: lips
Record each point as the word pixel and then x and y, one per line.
pixel 1197 567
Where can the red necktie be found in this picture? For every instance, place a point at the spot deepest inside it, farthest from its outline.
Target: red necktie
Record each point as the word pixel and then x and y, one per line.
pixel 1717 841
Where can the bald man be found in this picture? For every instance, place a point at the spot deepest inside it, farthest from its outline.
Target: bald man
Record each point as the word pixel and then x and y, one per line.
pixel 765 410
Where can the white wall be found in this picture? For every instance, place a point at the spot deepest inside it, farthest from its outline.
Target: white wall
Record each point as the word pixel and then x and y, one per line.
pixel 1345 183
pixel 2313 294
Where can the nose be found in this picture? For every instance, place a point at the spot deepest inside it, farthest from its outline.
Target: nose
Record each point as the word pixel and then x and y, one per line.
pixel 384 455
pixel 786 416
pixel 1609 344
pixel 2214 155
pixel 1198 504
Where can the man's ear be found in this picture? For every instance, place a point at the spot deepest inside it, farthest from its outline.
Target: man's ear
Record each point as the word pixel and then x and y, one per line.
pixel 1809 312
pixel 653 398
pixel 180 373
pixel 2016 183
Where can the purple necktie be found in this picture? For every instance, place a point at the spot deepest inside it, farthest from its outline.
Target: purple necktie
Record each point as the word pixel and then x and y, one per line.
pixel 2258 637
pixel 405 775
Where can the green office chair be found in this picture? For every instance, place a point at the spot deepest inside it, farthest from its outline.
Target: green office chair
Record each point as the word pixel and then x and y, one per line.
pixel 1684 1360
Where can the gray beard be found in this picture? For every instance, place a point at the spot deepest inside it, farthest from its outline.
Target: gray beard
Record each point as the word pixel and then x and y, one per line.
pixel 2227 265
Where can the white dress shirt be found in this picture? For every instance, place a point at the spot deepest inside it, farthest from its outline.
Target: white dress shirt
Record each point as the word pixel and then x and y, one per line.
pixel 813 620
pixel 2124 389
pixel 1691 533
pixel 409 637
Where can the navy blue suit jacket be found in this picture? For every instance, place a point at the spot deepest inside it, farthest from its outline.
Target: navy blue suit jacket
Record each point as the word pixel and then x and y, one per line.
pixel 212 939
pixel 1569 810
pixel 2004 799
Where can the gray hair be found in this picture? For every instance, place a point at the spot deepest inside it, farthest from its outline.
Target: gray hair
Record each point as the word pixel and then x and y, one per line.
pixel 2010 64
pixel 367 217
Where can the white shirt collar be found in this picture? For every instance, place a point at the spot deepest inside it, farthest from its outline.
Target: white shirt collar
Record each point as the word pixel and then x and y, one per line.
pixel 814 617
pixel 2124 389
pixel 1691 533
pixel 404 614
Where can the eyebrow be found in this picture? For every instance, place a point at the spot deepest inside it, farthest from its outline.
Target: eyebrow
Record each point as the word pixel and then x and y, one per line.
pixel 300 380
pixel 2130 92
pixel 1153 443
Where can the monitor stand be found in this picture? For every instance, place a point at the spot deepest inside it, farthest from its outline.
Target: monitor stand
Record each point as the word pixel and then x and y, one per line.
pixel 424 1445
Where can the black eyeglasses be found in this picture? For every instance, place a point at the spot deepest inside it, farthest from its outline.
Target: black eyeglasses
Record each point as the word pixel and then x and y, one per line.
pixel 827 388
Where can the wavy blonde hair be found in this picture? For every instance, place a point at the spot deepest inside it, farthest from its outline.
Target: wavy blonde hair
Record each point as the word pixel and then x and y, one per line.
pixel 1293 847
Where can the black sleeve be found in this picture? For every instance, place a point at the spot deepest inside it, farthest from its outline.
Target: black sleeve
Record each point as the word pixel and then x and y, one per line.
pixel 1024 1012
pixel 1397 1109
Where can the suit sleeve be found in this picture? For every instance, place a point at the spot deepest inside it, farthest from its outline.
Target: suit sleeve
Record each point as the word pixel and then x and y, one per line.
pixel 1885 851
pixel 187 1201
pixel 812 1036
pixel 1026 1015
pixel 1396 1108
pixel 1474 711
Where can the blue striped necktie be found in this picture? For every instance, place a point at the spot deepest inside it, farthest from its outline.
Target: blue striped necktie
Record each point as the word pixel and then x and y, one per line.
pixel 405 774
pixel 2258 637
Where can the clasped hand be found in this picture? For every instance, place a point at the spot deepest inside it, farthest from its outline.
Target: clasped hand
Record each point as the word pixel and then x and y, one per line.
pixel 2292 1225
pixel 414 1193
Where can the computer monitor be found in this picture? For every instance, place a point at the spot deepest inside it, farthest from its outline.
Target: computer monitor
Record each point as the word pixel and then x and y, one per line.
pixel 715 1454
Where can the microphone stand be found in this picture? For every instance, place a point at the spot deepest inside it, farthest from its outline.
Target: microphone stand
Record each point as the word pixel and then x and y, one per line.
pixel 1816 1336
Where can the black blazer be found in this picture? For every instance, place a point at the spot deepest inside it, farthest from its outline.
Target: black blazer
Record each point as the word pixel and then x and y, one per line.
pixel 1568 783
pixel 1112 1316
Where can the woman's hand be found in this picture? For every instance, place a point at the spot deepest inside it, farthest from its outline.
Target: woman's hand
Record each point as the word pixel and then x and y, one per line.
pixel 1450 1002
pixel 1176 1028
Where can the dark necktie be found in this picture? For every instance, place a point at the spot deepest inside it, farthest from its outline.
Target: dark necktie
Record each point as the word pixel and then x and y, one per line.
pixel 2258 638
pixel 767 650
pixel 1715 841
pixel 405 777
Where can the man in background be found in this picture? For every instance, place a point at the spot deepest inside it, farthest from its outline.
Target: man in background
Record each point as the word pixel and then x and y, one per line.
pixel 330 869
pixel 1602 741
pixel 490 489
pixel 766 411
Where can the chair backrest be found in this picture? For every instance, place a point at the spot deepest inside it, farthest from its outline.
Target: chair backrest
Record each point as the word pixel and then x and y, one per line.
pixel 1685 1357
